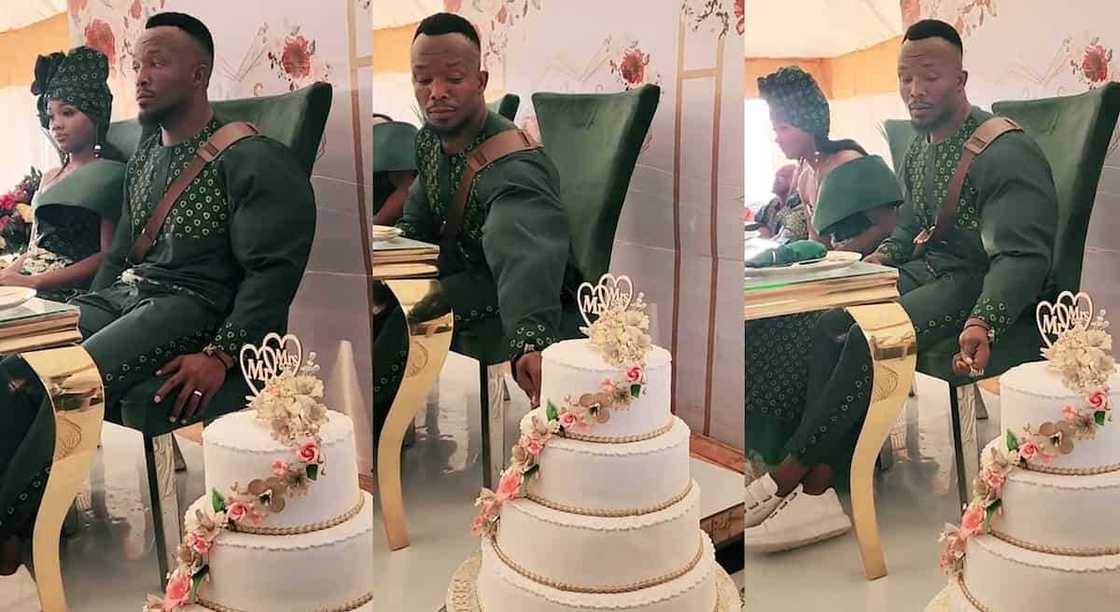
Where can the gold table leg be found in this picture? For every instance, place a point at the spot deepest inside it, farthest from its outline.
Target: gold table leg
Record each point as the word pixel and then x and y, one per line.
pixel 430 324
pixel 894 350
pixel 77 398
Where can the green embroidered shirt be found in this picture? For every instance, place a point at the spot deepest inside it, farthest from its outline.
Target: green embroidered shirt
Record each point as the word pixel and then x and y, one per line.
pixel 238 237
pixel 1005 223
pixel 511 257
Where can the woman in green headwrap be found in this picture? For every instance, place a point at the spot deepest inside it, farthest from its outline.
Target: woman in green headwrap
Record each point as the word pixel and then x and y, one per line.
pixel 75 212
pixel 394 167
pixel 853 197
pixel 77 205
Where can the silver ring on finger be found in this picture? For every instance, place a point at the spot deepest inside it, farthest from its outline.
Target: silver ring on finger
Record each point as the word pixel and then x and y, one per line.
pixel 196 393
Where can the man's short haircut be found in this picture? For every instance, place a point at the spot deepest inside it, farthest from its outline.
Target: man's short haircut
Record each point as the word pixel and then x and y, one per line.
pixel 191 25
pixel 447 23
pixel 933 28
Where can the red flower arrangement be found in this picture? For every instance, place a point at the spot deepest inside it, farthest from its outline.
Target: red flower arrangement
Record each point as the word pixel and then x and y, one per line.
pixel 15 213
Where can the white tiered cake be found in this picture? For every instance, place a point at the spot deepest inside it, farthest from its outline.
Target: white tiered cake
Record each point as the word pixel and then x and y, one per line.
pixel 1040 532
pixel 598 511
pixel 316 554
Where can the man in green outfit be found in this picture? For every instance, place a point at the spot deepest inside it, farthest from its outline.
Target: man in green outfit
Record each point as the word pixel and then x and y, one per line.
pixel 505 269
pixel 970 279
pixel 222 271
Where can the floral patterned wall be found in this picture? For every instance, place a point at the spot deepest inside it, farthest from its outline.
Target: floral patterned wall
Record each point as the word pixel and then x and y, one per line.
pixel 1025 49
pixel 684 252
pixel 268 47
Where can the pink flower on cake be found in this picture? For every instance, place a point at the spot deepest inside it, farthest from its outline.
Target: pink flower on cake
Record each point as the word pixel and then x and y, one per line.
pixel 279 467
pixel 634 374
pixel 178 590
pixel 532 444
pixel 510 485
pixel 972 521
pixel 237 511
pixel 1098 400
pixel 198 543
pixel 994 479
pixel 569 420
pixel 1069 413
pixel 1028 450
pixel 308 452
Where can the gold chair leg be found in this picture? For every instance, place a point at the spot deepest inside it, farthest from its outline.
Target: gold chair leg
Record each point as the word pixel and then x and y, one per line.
pixel 893 344
pixel 430 323
pixel 969 441
pixel 77 397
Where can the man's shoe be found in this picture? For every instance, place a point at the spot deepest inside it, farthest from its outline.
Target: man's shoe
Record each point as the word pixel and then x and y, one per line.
pixel 799 520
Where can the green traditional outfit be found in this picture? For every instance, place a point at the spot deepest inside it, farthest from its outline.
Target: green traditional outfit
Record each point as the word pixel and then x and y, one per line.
pixel 509 279
pixel 223 271
pixel 68 216
pixel 991 265
pixel 786 220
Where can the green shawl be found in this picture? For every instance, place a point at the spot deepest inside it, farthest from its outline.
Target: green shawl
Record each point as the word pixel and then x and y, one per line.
pixel 850 190
pixel 98 186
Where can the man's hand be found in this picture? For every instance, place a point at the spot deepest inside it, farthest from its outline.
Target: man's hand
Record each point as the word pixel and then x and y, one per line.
pixel 975 350
pixel 876 258
pixel 527 372
pixel 197 377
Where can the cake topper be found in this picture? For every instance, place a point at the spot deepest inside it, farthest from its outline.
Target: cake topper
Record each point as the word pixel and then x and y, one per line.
pixel 1078 346
pixel 277 355
pixel 620 333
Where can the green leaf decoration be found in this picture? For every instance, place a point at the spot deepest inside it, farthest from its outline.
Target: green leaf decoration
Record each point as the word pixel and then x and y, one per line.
pixel 552 412
pixel 635 390
pixel 989 512
pixel 1099 418
pixel 217 501
pixel 313 471
pixel 533 470
pixel 1012 441
pixel 196 580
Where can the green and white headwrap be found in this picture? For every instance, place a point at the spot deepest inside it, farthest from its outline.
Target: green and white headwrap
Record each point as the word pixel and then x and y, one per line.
pixel 78 79
pixel 795 98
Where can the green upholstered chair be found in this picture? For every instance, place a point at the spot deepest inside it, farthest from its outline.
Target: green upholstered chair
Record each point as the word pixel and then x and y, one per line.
pixel 506 106
pixel 296 119
pixel 1074 134
pixel 594 140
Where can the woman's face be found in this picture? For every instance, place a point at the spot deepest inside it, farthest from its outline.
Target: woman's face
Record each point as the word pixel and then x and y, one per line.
pixel 794 142
pixel 70 128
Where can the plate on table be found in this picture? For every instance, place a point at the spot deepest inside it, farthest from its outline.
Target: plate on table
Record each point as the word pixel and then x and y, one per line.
pixel 10 297
pixel 832 261
pixel 382 233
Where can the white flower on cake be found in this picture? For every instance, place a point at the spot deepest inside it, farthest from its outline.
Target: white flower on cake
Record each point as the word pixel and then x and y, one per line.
pixel 621 332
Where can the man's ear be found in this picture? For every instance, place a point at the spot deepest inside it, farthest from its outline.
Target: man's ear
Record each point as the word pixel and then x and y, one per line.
pixel 201 75
pixel 484 78
pixel 963 79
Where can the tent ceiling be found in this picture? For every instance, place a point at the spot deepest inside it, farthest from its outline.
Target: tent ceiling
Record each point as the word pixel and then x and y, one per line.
pixel 819 28
pixel 15 14
pixel 396 13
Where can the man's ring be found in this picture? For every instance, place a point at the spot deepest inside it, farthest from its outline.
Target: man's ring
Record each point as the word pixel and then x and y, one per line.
pixel 196 393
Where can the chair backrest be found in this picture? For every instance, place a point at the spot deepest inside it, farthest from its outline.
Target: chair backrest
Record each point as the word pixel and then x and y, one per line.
pixel 507 106
pixel 594 140
pixel 295 119
pixel 1073 132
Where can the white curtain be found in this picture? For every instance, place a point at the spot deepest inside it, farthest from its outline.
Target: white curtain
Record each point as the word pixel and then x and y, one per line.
pixel 25 143
pixel 396 13
pixel 15 14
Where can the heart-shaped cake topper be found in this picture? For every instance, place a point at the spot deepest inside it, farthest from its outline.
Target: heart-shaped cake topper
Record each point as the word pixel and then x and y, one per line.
pixel 612 292
pixel 275 356
pixel 1070 311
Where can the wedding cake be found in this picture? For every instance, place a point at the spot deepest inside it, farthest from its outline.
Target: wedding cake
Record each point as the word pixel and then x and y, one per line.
pixel 283 524
pixel 1040 532
pixel 598 510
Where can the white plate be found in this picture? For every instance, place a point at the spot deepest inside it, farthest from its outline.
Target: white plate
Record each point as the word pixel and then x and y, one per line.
pixel 832 261
pixel 10 297
pixel 382 233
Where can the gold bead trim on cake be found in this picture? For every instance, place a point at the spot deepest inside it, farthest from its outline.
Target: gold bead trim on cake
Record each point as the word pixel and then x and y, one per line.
pixel 611 513
pixel 1062 471
pixel 621 439
pixel 971 598
pixel 1068 551
pixel 347 607
pixel 571 588
pixel 309 528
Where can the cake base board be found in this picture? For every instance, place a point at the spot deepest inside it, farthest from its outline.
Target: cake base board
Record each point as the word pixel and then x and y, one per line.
pixel 462 592
pixel 943 601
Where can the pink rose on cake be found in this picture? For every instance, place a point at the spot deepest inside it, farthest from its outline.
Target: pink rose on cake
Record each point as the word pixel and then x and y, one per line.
pixel 1098 400
pixel 531 443
pixel 972 521
pixel 279 467
pixel 178 590
pixel 1028 450
pixel 570 420
pixel 1069 413
pixel 634 374
pixel 198 543
pixel 510 485
pixel 237 511
pixel 308 452
pixel 994 479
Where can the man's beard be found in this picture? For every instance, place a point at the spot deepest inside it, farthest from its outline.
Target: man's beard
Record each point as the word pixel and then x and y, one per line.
pixel 155 117
pixel 450 131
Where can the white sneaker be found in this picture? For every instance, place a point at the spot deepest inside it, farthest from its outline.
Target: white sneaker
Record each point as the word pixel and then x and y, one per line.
pixel 762 498
pixel 799 520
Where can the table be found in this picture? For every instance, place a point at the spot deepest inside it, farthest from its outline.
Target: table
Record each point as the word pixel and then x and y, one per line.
pixel 869 294
pixel 408 269
pixel 77 398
